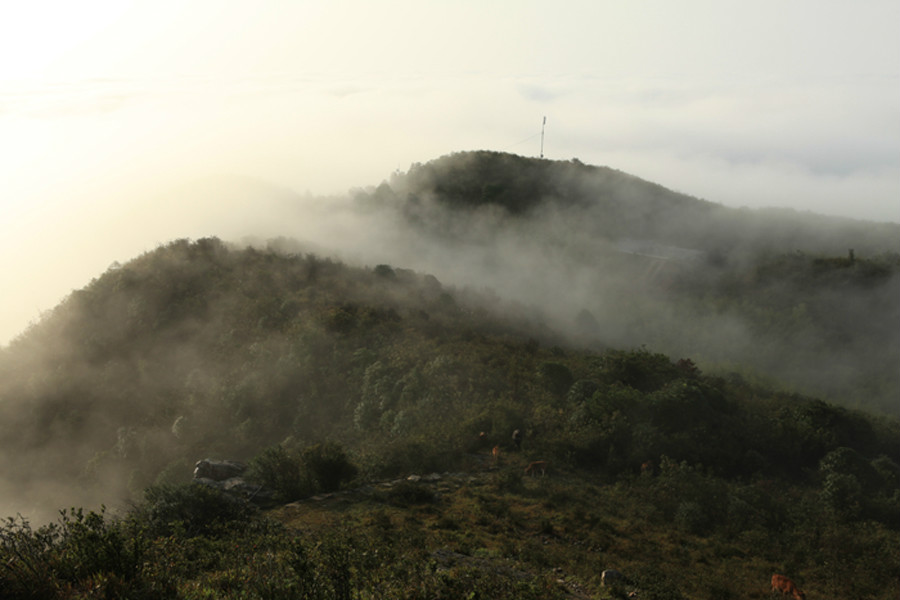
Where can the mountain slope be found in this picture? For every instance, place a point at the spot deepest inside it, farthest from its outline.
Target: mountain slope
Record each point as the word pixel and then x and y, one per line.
pixel 198 349
pixel 614 261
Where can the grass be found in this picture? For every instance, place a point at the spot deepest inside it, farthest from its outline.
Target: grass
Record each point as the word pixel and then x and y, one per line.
pixel 486 534
pixel 559 527
pixel 567 528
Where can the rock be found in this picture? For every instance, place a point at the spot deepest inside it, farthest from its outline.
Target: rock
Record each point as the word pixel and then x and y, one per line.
pixel 218 470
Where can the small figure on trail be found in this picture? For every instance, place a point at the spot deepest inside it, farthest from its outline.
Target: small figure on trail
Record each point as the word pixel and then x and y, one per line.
pixel 611 577
pixel 538 465
pixel 478 443
pixel 517 439
pixel 782 584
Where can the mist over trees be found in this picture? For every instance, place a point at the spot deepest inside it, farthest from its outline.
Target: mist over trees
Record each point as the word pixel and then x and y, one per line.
pixel 795 299
pixel 610 320
pixel 321 375
pixel 702 388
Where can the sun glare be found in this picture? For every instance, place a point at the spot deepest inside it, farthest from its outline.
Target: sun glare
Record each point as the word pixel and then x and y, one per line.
pixel 35 36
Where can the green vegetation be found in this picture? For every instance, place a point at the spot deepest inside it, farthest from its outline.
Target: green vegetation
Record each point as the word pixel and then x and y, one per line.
pixel 679 533
pixel 291 476
pixel 335 384
pixel 327 378
pixel 792 299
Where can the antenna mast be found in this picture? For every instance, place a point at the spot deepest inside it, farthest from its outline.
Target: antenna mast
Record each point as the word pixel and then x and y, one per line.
pixel 542 136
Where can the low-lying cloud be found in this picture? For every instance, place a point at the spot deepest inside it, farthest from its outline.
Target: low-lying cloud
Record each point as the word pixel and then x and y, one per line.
pixel 85 162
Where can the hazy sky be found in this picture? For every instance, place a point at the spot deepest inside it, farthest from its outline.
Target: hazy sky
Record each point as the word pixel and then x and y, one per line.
pixel 107 106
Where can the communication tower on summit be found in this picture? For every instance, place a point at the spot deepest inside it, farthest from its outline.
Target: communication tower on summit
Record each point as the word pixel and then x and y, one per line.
pixel 542 136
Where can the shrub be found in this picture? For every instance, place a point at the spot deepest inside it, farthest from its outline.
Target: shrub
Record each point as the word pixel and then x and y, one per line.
pixel 842 494
pixel 582 391
pixel 507 480
pixel 406 493
pixel 328 466
pixel 366 415
pixel 848 461
pixel 24 553
pixel 385 272
pixel 556 377
pixel 194 508
pixel 280 471
pixel 80 551
pixel 653 583
pixel 640 369
pixel 689 517
pixel 888 471
pixel 417 454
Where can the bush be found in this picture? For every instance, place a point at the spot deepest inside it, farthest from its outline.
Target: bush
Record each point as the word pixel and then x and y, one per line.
pixel 653 583
pixel 80 551
pixel 385 272
pixel 640 369
pixel 556 378
pixel 327 466
pixel 406 493
pixel 196 509
pixel 280 471
pixel 24 553
pixel 508 480
pixel 416 454
pixel 842 494
pixel 582 391
pixel 689 517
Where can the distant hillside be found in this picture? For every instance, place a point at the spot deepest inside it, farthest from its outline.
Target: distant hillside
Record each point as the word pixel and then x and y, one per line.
pixel 617 205
pixel 800 300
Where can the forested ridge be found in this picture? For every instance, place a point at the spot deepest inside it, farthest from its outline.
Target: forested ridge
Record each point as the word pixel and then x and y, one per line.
pixel 793 299
pixel 695 475
pixel 197 349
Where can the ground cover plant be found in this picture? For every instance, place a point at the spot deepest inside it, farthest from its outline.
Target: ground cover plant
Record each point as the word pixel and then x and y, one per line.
pixel 491 532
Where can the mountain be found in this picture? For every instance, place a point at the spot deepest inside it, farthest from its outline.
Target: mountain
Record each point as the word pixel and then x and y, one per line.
pixel 616 205
pixel 670 377
pixel 797 300
pixel 199 349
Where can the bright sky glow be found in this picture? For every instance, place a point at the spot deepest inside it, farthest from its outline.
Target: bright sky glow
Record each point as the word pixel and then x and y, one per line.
pixel 105 105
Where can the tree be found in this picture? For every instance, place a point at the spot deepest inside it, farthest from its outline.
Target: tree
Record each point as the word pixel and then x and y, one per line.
pixel 328 466
pixel 556 377
pixel 280 471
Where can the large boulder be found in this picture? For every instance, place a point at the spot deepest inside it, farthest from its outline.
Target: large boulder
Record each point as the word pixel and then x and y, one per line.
pixel 218 470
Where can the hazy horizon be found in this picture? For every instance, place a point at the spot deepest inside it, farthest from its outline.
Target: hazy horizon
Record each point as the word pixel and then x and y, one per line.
pixel 110 112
